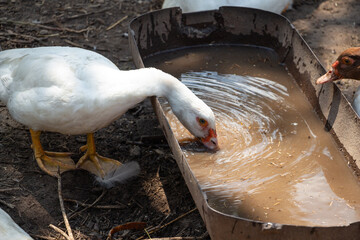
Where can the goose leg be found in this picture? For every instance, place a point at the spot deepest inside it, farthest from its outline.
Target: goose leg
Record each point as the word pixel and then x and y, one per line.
pixel 97 164
pixel 49 162
pixel 287 7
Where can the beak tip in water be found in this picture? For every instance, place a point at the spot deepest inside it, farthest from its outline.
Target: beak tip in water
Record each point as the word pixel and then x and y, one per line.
pixel 211 144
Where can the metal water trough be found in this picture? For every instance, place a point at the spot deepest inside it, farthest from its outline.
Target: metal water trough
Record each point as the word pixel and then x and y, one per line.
pixel 170 29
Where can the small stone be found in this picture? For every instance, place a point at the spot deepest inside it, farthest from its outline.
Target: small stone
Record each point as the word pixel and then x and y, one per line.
pixel 135 151
pixel 44 32
pixel 89 224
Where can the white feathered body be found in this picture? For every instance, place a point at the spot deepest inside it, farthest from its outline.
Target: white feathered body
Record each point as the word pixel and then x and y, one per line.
pixel 10 230
pixel 276 6
pixel 76 91
pixel 71 90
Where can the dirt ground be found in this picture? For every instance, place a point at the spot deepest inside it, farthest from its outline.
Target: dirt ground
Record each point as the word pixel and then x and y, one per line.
pixel 329 27
pixel 159 194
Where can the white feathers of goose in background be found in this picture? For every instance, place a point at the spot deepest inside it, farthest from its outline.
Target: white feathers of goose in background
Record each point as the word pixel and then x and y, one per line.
pixel 276 6
pixel 10 230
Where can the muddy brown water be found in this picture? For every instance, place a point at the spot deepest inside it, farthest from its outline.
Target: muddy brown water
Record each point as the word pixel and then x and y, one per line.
pixel 276 162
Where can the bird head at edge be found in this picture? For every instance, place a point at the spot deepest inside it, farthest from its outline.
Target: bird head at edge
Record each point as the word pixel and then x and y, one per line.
pixel 347 65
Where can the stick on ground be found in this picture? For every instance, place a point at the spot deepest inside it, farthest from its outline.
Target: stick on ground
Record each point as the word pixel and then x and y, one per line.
pixel 166 224
pixel 66 221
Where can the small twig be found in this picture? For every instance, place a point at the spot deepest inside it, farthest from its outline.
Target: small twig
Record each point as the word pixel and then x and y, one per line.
pixel 12 163
pixel 100 206
pixel 21 41
pixel 77 16
pixel 72 43
pixel 9 205
pixel 44 26
pixel 11 34
pixel 65 29
pixel 166 224
pixel 9 189
pixel 91 205
pixel 140 107
pixel 50 35
pixel 126 226
pixel 66 221
pixel 117 23
pixel 147 233
pixel 204 235
pixel 60 231
pixel 137 203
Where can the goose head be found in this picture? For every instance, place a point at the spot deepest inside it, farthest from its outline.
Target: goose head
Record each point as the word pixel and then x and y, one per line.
pixel 199 120
pixel 195 115
pixel 347 65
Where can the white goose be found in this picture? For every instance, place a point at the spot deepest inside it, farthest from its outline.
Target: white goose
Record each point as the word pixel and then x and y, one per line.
pixel 76 91
pixel 10 230
pixel 276 6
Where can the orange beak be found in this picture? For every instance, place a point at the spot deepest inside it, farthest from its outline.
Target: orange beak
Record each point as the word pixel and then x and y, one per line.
pixel 210 141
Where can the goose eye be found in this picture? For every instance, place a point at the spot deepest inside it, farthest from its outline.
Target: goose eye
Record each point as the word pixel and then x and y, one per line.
pixel 347 61
pixel 202 122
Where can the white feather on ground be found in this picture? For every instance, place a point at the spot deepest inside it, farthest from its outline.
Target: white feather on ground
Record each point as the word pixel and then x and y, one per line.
pixel 10 230
pixel 119 175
